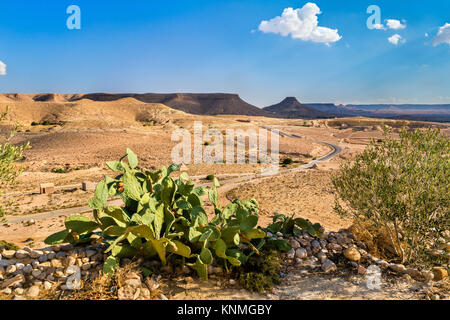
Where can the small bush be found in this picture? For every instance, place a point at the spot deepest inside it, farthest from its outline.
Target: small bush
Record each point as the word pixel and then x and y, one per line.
pixel 261 272
pixel 401 186
pixel 287 161
pixel 210 177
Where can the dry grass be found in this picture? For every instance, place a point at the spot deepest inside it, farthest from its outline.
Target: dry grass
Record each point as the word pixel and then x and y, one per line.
pixel 376 239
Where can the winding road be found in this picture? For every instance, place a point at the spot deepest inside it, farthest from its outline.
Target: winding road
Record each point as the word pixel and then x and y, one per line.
pixel 248 177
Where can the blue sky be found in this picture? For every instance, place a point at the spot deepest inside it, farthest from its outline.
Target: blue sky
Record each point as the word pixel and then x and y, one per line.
pixel 220 46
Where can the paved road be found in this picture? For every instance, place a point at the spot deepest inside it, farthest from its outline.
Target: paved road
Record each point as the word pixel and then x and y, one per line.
pixel 246 178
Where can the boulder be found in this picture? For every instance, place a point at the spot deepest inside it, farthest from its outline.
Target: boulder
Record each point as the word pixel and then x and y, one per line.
pixel 352 254
pixel 440 273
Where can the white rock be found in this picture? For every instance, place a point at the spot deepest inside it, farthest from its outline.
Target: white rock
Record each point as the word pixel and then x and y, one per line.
pixel 47 285
pixel 301 253
pixel 291 254
pixel 134 282
pixel 163 297
pixel 19 266
pixel 33 291
pixel 7 291
pixel 11 269
pixel 294 244
pixel 18 291
pixel 8 254
pixel 71 270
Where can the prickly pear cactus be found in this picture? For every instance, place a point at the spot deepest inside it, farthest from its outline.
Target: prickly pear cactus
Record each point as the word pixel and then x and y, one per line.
pixel 164 218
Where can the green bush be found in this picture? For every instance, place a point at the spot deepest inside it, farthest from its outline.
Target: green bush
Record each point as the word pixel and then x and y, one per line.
pixel 210 177
pixel 402 186
pixel 8 246
pixel 261 272
pixel 287 161
pixel 9 156
pixel 164 218
pixel 290 226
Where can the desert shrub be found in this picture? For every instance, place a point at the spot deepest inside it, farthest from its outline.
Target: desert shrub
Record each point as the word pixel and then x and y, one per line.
pixel 261 272
pixel 401 185
pixel 8 246
pixel 60 170
pixel 164 218
pixel 287 161
pixel 9 156
pixel 210 177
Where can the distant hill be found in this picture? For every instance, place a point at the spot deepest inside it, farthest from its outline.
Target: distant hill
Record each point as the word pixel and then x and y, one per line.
pixel 419 112
pixel 195 103
pixel 291 108
pixel 232 104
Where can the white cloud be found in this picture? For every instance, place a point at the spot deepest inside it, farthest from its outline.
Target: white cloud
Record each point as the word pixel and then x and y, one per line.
pixel 396 39
pixel 2 69
pixel 301 24
pixel 395 24
pixel 443 35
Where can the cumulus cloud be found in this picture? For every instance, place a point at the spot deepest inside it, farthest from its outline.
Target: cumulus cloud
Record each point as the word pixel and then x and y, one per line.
pixel 396 39
pixel 443 35
pixel 395 24
pixel 301 24
pixel 2 69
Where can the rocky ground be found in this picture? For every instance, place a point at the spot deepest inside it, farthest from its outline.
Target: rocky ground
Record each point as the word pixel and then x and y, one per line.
pixel 333 267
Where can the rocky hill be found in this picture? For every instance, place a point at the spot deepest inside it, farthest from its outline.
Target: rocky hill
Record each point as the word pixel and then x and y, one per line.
pixel 292 108
pixel 195 103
